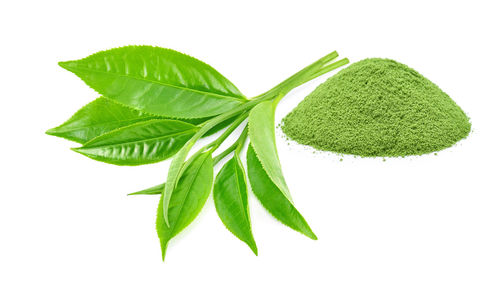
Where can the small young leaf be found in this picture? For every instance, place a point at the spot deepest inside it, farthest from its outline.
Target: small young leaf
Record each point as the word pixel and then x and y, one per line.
pixel 187 200
pixel 272 198
pixel 173 175
pixel 176 166
pixel 261 133
pixel 155 190
pixel 231 201
pixel 96 118
pixel 158 81
pixel 140 143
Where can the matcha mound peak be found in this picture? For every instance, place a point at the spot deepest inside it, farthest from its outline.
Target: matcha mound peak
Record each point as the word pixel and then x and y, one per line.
pixel 377 107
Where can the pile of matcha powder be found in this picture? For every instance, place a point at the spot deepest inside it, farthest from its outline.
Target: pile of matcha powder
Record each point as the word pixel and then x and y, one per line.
pixel 377 107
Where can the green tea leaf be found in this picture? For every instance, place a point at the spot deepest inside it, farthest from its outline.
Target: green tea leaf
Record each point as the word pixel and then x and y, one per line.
pixel 174 173
pixel 261 133
pixel 272 198
pixel 140 143
pixel 177 163
pixel 231 201
pixel 158 81
pixel 103 115
pixel 155 190
pixel 187 200
pixel 96 118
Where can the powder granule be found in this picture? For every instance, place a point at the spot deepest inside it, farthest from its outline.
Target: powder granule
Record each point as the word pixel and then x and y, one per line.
pixel 377 107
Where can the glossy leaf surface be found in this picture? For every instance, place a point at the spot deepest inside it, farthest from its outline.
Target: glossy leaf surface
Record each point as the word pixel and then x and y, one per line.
pixel 173 175
pixel 158 81
pixel 96 118
pixel 272 198
pixel 262 138
pixel 187 200
pixel 231 201
pixel 155 190
pixel 140 143
pixel 104 115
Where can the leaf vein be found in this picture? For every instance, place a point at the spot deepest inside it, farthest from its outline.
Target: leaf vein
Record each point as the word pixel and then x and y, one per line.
pixel 217 95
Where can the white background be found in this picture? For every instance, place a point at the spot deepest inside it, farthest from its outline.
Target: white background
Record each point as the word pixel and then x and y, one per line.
pixel 429 220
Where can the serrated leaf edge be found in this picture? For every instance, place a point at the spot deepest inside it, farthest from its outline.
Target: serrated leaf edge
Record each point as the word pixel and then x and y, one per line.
pixel 313 237
pixel 285 192
pixel 252 244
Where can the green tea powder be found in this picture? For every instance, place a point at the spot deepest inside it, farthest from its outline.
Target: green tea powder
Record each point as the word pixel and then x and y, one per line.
pixel 377 107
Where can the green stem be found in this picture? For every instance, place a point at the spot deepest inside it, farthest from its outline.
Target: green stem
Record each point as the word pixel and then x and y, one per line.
pixel 223 154
pixel 236 146
pixel 241 140
pixel 177 166
pixel 314 73
pixel 306 74
pixel 277 93
pixel 329 68
pixel 300 74
pixel 316 68
pixel 308 77
pixel 216 143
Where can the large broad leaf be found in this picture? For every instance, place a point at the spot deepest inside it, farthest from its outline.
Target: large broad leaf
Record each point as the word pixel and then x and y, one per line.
pixel 231 201
pixel 103 115
pixel 96 118
pixel 272 198
pixel 261 132
pixel 140 143
pixel 188 198
pixel 157 80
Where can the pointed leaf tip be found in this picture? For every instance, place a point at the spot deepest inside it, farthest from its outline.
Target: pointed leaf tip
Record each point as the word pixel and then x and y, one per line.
pixel 79 150
pixel 65 64
pixel 163 252
pixel 156 190
pixel 51 131
pixel 312 236
pixel 76 149
pixel 254 250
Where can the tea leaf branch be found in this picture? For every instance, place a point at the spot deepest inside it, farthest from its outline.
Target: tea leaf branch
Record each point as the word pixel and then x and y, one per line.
pixel 157 103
